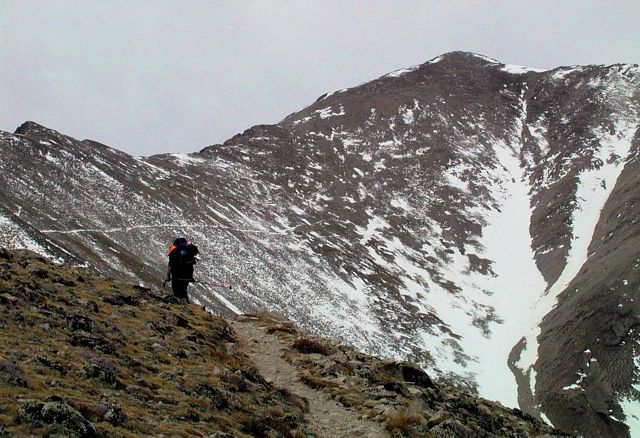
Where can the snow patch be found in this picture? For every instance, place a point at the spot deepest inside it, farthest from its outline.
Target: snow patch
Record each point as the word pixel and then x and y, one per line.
pixel 12 236
pixel 402 71
pixel 486 58
pixel 328 112
pixel 508 244
pixel 519 69
pixel 631 409
pixel 186 160
pixel 407 113
pixel 562 73
pixel 538 131
pixel 401 203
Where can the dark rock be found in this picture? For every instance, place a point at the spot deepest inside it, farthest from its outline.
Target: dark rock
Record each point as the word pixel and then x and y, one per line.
pixel 181 321
pixel 222 435
pixel 219 398
pixel 196 337
pixel 79 322
pixel 412 373
pixel 11 373
pixel 101 369
pixel 398 388
pixel 110 412
pixel 454 428
pixel 52 364
pixel 161 328
pixel 332 370
pixel 438 418
pixel 171 299
pixel 235 381
pixel 92 306
pixel 65 282
pixel 253 375
pixel 598 392
pixel 36 272
pixel 6 298
pixel 121 299
pixel 55 413
pixel 379 393
pixel 94 342
pixel 149 385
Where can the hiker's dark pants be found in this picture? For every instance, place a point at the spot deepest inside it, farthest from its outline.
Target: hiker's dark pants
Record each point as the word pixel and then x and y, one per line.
pixel 180 288
pixel 181 276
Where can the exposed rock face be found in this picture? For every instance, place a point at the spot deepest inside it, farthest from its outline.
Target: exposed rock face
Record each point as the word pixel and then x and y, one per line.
pixel 56 413
pixel 432 214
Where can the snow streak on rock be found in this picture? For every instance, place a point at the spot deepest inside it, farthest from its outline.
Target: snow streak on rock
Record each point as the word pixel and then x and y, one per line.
pixel 594 187
pixel 12 236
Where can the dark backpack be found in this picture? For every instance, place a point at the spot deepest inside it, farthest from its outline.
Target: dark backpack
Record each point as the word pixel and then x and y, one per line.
pixel 184 256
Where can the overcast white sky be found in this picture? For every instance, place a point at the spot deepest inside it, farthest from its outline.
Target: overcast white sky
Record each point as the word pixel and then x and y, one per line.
pixel 167 76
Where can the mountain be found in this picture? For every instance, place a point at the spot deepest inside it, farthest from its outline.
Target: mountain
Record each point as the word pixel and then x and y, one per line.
pixel 477 218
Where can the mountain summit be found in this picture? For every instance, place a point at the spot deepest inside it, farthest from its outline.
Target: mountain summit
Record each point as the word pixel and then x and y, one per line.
pixel 474 217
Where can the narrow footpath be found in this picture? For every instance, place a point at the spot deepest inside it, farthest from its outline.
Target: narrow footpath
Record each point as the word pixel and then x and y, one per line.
pixel 326 417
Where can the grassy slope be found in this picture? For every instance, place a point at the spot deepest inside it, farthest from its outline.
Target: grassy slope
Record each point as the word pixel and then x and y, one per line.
pixel 129 362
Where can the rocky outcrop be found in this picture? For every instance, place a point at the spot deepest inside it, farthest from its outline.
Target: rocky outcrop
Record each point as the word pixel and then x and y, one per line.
pixel 398 394
pixel 56 414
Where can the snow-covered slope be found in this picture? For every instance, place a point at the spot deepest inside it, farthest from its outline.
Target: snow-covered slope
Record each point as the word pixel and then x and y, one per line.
pixel 442 213
pixel 14 237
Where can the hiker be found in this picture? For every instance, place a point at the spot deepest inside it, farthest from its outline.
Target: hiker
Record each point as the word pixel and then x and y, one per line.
pixel 182 257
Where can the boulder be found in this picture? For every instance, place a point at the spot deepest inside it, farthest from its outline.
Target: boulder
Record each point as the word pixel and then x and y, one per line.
pixel 79 322
pixel 56 413
pixel 412 373
pixel 222 435
pixel 110 412
pixel 101 369
pixel 437 418
pixel 7 298
pixel 94 342
pixel 11 373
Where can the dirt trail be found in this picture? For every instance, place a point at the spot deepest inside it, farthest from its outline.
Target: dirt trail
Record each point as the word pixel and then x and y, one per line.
pixel 326 417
